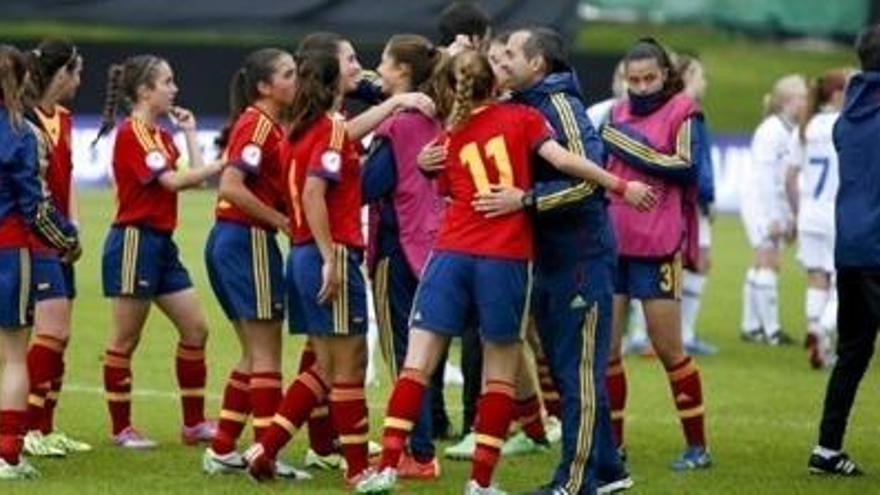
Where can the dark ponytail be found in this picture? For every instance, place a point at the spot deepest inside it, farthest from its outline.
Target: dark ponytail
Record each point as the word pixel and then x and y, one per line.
pixel 317 88
pixel 49 57
pixel 13 74
pixel 650 48
pixel 123 81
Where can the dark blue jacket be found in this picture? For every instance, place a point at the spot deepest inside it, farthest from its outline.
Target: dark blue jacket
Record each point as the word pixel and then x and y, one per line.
pixel 20 189
pixel 857 140
pixel 572 221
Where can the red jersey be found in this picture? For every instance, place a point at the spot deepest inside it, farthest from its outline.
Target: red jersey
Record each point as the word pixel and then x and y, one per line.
pixel 253 149
pixel 141 154
pixel 57 172
pixel 494 147
pixel 325 150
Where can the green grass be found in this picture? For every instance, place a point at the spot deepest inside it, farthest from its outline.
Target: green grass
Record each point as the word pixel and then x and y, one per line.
pixel 763 403
pixel 740 70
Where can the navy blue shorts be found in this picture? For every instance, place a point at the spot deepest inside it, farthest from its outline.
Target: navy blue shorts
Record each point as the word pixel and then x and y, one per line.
pixel 460 290
pixel 16 297
pixel 52 278
pixel 641 278
pixel 246 272
pixel 143 263
pixel 346 314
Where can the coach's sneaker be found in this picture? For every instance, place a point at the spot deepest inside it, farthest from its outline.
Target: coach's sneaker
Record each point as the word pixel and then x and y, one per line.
pixel 521 444
pixel 623 482
pixel 200 433
pixel 229 463
pixel 838 464
pixel 474 488
pixel 463 450
pixel 327 462
pixel 21 471
pixel 376 482
pixel 286 471
pixel 694 457
pixel 754 336
pixel 411 468
pixel 35 445
pixel 780 338
pixel 64 442
pixel 130 438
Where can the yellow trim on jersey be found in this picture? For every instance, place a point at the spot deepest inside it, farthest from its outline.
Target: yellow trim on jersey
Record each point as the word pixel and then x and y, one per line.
pixel 680 159
pixel 569 123
pixel 382 304
pixel 48 228
pixel 51 124
pixel 568 195
pixel 24 285
pixel 260 265
pixel 262 130
pixel 143 135
pixel 337 134
pixel 131 240
pixel 577 468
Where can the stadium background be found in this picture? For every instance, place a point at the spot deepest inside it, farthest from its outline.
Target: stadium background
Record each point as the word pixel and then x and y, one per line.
pixel 763 403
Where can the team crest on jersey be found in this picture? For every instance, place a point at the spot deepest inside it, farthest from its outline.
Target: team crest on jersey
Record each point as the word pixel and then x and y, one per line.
pixel 156 160
pixel 251 155
pixel 331 161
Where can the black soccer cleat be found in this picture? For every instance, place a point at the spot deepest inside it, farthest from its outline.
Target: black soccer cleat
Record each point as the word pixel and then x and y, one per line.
pixel 840 465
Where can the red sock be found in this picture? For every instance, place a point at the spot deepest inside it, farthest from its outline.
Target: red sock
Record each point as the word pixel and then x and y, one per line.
pixel 13 426
pixel 494 414
pixel 348 411
pixel 265 397
pixel 403 409
pixel 44 365
pixel 687 391
pixel 191 377
pixel 615 381
pixel 549 394
pixel 303 394
pixel 234 413
pixel 117 387
pixel 47 420
pixel 528 413
pixel 322 436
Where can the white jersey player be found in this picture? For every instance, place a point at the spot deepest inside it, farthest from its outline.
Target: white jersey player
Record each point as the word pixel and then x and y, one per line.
pixel 765 210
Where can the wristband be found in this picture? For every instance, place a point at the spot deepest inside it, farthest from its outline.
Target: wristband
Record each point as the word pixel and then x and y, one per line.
pixel 619 186
pixel 528 200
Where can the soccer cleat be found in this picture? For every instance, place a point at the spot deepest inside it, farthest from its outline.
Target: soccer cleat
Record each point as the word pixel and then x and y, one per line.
pixel 286 471
pixel 699 347
pixel 130 438
pixel 474 488
pixel 463 450
pixel 200 433
pixel 553 429
pixel 780 338
pixel 694 457
pixel 373 482
pixel 521 444
pixel 260 467
pixel 373 449
pixel 623 482
pixel 21 471
pixel 35 445
pixel 327 462
pixel 69 445
pixel 230 463
pixel 838 465
pixel 754 336
pixel 410 468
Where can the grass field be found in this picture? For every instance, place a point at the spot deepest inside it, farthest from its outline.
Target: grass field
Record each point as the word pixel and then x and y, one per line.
pixel 763 403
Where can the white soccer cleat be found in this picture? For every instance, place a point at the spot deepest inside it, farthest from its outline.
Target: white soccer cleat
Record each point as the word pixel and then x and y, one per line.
pixel 64 442
pixel 474 488
pixel 230 463
pixel 21 471
pixel 36 445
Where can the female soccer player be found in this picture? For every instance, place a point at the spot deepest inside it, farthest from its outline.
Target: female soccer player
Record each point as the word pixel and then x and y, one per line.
pixel 55 73
pixel 325 287
pixel 812 181
pixel 653 136
pixel 243 259
pixel 22 210
pixel 479 268
pixel 765 211
pixel 141 264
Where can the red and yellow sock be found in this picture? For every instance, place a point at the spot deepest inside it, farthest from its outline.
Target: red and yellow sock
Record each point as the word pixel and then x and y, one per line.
pixel 265 397
pixel 494 414
pixel 47 420
pixel 44 363
pixel 306 391
pixel 234 412
pixel 527 413
pixel 348 411
pixel 687 391
pixel 403 409
pixel 322 436
pixel 549 393
pixel 13 426
pixel 117 388
pixel 192 375
pixel 615 381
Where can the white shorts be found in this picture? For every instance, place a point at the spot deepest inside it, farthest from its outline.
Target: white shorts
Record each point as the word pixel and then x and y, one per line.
pixel 758 232
pixel 816 251
pixel 705 232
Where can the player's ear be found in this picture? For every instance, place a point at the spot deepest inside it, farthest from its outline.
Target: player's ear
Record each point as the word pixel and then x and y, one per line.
pixel 264 88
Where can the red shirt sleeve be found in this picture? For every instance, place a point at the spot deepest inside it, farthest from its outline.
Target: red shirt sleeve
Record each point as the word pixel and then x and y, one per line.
pixel 139 151
pixel 325 160
pixel 245 150
pixel 536 129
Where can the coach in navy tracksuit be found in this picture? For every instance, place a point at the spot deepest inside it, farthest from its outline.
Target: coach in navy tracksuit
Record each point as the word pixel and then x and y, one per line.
pixel 857 253
pixel 574 262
